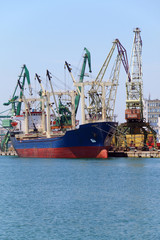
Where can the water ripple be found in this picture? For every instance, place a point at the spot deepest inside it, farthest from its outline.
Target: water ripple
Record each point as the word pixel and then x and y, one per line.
pixel 65 199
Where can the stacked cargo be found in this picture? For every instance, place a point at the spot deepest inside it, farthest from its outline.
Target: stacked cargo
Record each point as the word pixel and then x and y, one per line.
pixel 133 140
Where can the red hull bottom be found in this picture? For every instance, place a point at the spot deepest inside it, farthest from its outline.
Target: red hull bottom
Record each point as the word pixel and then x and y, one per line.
pixel 72 152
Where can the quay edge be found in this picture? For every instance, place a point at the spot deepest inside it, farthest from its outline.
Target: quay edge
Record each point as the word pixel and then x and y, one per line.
pixel 8 153
pixel 135 154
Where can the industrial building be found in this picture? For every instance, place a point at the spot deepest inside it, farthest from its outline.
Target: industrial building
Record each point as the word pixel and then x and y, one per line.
pixel 152 114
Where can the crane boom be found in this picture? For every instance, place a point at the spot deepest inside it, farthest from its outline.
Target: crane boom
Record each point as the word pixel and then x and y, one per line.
pixel 95 99
pixel 24 75
pixel 87 56
pixel 44 93
pixel 26 72
pixel 112 89
pixel 49 78
pixel 122 51
pixel 103 69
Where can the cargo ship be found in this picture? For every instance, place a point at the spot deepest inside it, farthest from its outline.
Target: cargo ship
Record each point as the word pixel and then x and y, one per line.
pixel 57 134
pixel 41 134
pixel 90 140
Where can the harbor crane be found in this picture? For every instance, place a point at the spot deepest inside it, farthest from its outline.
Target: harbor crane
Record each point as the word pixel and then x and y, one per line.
pixel 134 86
pixel 102 95
pixel 16 103
pixel 136 129
pixel 109 94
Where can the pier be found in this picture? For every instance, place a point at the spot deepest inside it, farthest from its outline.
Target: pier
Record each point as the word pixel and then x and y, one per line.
pixel 135 154
pixel 8 153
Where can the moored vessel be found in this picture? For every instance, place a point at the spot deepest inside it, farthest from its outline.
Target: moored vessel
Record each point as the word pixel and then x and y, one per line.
pixel 57 134
pixel 90 140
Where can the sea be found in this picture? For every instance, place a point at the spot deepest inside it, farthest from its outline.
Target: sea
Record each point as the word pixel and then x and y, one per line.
pixel 79 199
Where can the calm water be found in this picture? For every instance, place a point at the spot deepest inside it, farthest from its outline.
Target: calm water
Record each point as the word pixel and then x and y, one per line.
pixel 62 199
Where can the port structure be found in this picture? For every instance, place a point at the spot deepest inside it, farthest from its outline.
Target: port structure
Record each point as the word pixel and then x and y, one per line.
pixel 135 131
pixel 15 101
pixel 98 96
pixel 134 85
pixel 47 119
pixel 102 94
pixel 16 104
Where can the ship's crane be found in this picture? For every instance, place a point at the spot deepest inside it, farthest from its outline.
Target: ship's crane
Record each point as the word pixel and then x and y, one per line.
pixel 64 118
pixel 64 115
pixel 86 57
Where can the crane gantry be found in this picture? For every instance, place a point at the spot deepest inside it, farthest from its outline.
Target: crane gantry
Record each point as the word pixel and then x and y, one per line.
pixel 134 86
pixel 135 127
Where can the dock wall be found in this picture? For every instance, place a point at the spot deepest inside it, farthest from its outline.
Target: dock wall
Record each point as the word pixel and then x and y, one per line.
pixel 8 153
pixel 135 154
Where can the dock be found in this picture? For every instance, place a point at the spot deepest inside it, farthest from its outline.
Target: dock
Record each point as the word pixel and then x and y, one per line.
pixel 135 154
pixel 132 154
pixel 8 153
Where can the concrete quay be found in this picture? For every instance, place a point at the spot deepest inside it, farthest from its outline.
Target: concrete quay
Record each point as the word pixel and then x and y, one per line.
pixel 135 154
pixel 8 153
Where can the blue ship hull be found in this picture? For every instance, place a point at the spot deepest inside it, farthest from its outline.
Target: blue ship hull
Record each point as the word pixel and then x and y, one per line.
pixel 90 140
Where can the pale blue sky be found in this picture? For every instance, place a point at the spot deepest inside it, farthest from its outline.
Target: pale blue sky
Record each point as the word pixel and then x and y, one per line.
pixel 43 34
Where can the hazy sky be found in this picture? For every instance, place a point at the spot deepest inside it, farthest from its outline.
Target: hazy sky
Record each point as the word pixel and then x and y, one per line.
pixel 43 34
